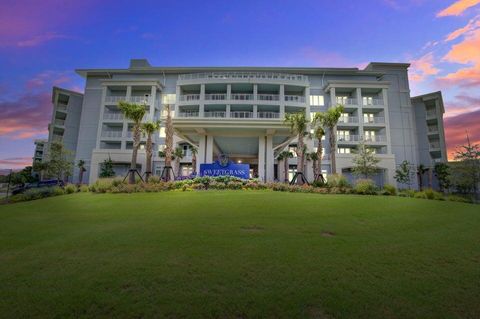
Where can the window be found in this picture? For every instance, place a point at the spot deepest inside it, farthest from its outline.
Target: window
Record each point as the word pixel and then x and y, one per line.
pixel 316 100
pixel 369 135
pixel 293 149
pixel 169 98
pixel 344 150
pixel 368 117
pixel 343 135
pixel 367 100
pixel 161 133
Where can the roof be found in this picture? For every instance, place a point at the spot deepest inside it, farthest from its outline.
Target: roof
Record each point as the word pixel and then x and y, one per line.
pixel 59 89
pixel 431 96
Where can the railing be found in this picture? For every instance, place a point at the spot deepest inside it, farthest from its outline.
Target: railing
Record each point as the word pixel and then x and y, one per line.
pixel 268 115
pixel 190 97
pixel 244 75
pixel 241 114
pixel 188 114
pixel 348 138
pixel 115 99
pixel 131 99
pixel 59 122
pixel 295 98
pixel 372 101
pixel 346 100
pixel 268 97
pixel 216 114
pixel 216 96
pixel 115 134
pixel 57 138
pixel 242 96
pixel 113 116
pixel 374 120
pixel 61 107
pixel 432 113
pixel 375 138
pixel 432 129
pixel 348 119
pixel 434 145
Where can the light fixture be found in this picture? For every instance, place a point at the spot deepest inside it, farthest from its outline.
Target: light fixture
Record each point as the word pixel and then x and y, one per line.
pixel 239 161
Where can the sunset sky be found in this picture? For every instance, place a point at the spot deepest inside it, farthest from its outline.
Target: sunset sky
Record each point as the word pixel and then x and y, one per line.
pixel 42 42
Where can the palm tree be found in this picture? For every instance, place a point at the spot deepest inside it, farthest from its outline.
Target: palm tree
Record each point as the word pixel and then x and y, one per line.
pixel 329 120
pixel 149 128
pixel 318 133
pixel 284 156
pixel 168 143
pixel 313 156
pixel 178 153
pixel 194 151
pixel 421 169
pixel 298 125
pixel 134 112
pixel 82 169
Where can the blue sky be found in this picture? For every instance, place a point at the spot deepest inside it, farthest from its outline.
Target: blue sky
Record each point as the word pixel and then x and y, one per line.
pixel 42 42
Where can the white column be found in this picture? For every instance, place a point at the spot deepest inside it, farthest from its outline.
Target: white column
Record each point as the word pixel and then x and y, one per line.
pixel 307 102
pixel 333 99
pixel 209 149
pixel 201 108
pixel 229 92
pixel 177 99
pixel 269 159
pixel 100 120
pixel 201 152
pixel 282 101
pixel 261 158
pixel 360 111
pixel 227 110
pixel 387 121
pixel 255 111
pixel 153 95
pixel 255 91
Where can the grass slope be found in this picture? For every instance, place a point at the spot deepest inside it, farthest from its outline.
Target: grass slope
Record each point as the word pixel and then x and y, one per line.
pixel 239 255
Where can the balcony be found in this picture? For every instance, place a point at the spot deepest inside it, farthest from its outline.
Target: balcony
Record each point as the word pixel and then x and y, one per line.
pixel 372 102
pixel 113 116
pixel 215 97
pixel 241 96
pixel 346 100
pixel 57 138
pixel 241 115
pixel 375 138
pixel 215 114
pixel 295 98
pixel 59 122
pixel 348 120
pixel 431 114
pixel 374 120
pixel 348 138
pixel 188 114
pixel 434 145
pixel 189 97
pixel 268 115
pixel 132 99
pixel 61 107
pixel 112 134
pixel 268 97
pixel 247 76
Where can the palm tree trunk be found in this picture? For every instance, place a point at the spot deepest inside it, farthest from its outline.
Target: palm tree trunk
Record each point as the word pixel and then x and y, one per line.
pixel 136 144
pixel 285 167
pixel 168 143
pixel 80 177
pixel 319 159
pixel 149 158
pixel 332 151
pixel 301 156
pixel 194 163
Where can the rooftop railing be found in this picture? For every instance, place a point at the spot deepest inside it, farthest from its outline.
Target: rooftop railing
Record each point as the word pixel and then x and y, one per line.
pixel 244 76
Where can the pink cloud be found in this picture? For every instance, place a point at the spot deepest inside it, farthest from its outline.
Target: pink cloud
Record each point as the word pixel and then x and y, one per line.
pixel 457 8
pixel 472 25
pixel 15 163
pixel 423 67
pixel 456 129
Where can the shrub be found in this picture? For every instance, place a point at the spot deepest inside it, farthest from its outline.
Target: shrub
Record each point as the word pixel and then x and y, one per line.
pixel 421 194
pixel 456 198
pixel 337 180
pixel 37 193
pixel 407 193
pixel 154 179
pixel 83 188
pixel 319 184
pixel 365 187
pixel 70 189
pixel 389 190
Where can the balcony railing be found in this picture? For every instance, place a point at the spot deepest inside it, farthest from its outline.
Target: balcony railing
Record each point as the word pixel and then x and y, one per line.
pixel 188 114
pixel 268 97
pixel 132 99
pixel 432 129
pixel 216 97
pixel 268 115
pixel 295 98
pixel 375 138
pixel 112 134
pixel 241 114
pixel 113 116
pixel 242 96
pixel 432 113
pixel 346 100
pixel 371 101
pixel 190 97
pixel 215 114
pixel 59 122
pixel 244 76
pixel 61 107
pixel 57 138
pixel 349 119
pixel 434 145
pixel 348 138
pixel 374 120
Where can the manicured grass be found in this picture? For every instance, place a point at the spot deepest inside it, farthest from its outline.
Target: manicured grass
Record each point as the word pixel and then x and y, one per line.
pixel 239 255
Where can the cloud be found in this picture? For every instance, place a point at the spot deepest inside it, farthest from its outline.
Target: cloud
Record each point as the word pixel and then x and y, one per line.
pixel 46 79
pixel 463 103
pixel 41 39
pixel 456 129
pixel 423 67
pixel 458 8
pixel 15 163
pixel 472 25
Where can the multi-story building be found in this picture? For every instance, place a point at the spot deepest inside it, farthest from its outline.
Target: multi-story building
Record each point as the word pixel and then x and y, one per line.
pixel 239 111
pixel 64 125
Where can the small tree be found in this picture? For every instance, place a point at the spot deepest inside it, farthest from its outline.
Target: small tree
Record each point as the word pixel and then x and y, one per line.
pixel 178 154
pixel 81 170
pixel 442 172
pixel 298 125
pixel 134 112
pixel 194 152
pixel 329 121
pixel 469 167
pixel 106 169
pixel 59 164
pixel 284 156
pixel 403 173
pixel 149 128
pixel 365 162
pixel 421 169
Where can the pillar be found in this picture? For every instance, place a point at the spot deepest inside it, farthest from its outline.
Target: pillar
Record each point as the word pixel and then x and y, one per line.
pixel 269 159
pixel 209 149
pixel 201 152
pixel 261 158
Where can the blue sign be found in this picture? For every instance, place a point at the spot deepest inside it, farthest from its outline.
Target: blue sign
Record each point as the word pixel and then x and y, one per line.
pixel 228 169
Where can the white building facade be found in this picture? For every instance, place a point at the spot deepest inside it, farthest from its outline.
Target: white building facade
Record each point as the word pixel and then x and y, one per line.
pixel 239 112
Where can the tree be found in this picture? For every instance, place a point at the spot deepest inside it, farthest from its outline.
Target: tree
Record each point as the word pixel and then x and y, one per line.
pixel 81 170
pixel 313 156
pixel 365 162
pixel 319 133
pixel 168 143
pixel 149 128
pixel 194 152
pixel 59 163
pixel 178 154
pixel 469 167
pixel 329 120
pixel 403 172
pixel 442 172
pixel 421 169
pixel 106 169
pixel 298 125
pixel 134 112
pixel 284 156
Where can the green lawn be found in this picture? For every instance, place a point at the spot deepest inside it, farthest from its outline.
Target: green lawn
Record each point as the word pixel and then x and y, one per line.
pixel 239 255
